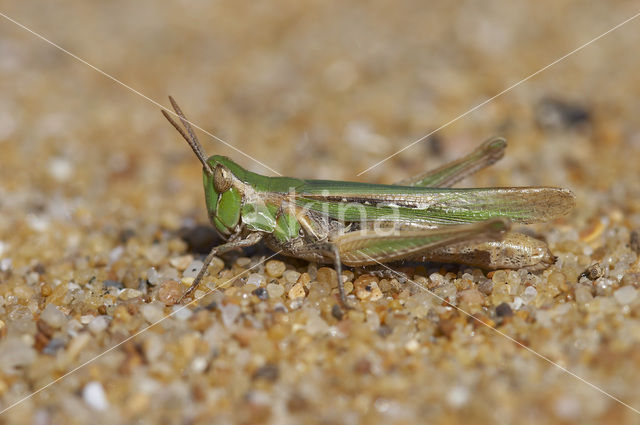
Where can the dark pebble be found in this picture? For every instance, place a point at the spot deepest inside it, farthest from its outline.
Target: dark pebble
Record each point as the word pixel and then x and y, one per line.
pixel 560 114
pixel 337 312
pixel 125 235
pixel 280 308
pixel 384 331
pixel 267 372
pixel 261 293
pixel 112 284
pixel 634 241
pixel 504 310
pixel 434 144
pixel 39 268
pixel 53 346
pixel 212 306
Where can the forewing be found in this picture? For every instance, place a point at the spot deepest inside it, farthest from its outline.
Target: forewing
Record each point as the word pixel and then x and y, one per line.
pixel 352 201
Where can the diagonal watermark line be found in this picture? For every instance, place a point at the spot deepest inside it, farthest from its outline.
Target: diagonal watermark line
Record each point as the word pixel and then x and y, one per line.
pixel 114 79
pixel 129 338
pixel 501 93
pixel 531 350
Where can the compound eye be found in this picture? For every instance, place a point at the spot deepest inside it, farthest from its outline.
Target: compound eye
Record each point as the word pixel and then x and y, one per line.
pixel 221 179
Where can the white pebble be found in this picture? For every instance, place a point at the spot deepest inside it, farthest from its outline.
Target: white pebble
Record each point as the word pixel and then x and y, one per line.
pixel 530 293
pixel 625 295
pixel 53 317
pixel 412 346
pixel 38 223
pixel 116 253
pixel 255 279
pixel 60 169
pixel 457 396
pixel 5 264
pixel 199 364
pixel 152 312
pixel 86 319
pixel 193 269
pixel 517 303
pixel 93 394
pixel 181 312
pixel 152 276
pixel 230 313
pixel 99 324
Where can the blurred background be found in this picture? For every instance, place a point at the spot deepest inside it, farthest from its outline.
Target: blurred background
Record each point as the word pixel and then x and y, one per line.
pixel 315 89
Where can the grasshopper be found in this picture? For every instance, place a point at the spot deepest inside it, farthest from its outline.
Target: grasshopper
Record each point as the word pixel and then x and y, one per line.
pixel 361 224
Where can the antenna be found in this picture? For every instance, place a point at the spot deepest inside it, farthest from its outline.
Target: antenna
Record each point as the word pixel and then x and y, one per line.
pixel 189 135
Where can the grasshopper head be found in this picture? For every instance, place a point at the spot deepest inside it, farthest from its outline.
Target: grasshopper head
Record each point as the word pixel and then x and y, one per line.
pixel 222 193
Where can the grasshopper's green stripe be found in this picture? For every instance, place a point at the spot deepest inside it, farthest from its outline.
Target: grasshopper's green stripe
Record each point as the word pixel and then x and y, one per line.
pixel 433 205
pixel 256 181
pixel 365 213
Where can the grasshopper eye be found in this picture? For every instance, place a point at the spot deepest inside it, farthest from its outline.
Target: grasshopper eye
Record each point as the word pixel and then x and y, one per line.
pixel 221 179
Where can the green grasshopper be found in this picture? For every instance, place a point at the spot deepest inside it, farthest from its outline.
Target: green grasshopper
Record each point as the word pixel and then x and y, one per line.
pixel 361 224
